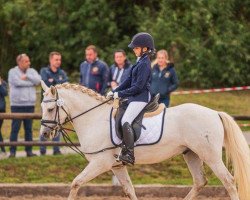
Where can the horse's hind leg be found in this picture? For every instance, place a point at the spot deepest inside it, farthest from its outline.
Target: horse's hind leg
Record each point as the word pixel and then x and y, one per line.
pixel 93 169
pixel 122 175
pixel 195 166
pixel 225 177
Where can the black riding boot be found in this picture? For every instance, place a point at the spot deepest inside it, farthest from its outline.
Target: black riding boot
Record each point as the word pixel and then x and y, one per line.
pixel 128 138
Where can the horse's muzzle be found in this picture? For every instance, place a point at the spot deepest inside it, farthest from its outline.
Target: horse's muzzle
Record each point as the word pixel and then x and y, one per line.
pixel 47 132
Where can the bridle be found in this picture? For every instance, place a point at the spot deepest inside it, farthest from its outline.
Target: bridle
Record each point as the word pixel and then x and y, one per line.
pixel 59 125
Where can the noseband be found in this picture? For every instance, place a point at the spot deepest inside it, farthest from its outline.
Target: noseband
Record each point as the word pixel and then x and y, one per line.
pixel 59 126
pixel 56 121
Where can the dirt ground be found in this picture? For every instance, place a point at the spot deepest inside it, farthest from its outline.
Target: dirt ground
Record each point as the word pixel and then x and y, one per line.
pixel 100 198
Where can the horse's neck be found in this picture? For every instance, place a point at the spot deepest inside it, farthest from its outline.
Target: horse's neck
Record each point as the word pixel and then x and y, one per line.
pixel 92 128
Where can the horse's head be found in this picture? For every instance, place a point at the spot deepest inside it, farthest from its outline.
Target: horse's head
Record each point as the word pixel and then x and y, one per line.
pixel 54 112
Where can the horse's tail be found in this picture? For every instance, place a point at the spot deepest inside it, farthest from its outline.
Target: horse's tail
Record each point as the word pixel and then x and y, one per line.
pixel 237 151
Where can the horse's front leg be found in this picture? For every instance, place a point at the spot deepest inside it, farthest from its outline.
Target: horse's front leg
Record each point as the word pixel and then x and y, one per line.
pixel 93 169
pixel 122 175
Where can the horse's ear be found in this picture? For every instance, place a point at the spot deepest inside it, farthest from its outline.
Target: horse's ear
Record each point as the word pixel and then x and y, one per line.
pixel 53 90
pixel 44 86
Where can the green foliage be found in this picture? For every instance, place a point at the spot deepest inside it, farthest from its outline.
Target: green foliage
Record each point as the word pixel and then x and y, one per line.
pixel 208 40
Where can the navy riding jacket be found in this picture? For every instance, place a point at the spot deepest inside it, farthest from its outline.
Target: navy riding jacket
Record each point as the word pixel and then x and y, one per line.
pixel 3 93
pixel 137 85
pixel 94 75
pixel 165 81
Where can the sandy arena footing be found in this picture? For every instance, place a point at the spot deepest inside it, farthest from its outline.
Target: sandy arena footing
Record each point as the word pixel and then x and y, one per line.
pixel 105 192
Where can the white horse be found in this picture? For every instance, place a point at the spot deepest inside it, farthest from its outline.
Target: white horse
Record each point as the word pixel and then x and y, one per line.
pixel 189 126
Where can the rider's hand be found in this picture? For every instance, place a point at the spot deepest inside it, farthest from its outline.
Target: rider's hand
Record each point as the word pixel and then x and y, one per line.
pixel 109 95
pixel 115 96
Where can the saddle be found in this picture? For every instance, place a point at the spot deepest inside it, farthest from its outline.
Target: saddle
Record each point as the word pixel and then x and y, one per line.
pixel 137 125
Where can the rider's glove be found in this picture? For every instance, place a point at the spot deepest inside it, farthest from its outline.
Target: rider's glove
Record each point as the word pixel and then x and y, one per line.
pixel 109 95
pixel 116 95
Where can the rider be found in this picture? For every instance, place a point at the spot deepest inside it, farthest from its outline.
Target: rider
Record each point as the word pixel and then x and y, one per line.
pixel 136 87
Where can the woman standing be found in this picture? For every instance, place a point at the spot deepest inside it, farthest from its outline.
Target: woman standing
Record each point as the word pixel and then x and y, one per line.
pixel 120 70
pixel 164 78
pixel 3 93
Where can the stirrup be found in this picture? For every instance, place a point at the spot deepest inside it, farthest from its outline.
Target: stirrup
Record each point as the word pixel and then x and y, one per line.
pixel 117 156
pixel 124 152
pixel 128 161
pixel 118 159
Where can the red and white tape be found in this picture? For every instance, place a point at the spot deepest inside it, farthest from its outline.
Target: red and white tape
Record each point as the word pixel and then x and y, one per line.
pixel 244 125
pixel 214 90
pixel 210 90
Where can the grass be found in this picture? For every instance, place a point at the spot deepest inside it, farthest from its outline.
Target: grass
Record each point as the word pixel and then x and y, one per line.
pixel 64 168
pixel 234 103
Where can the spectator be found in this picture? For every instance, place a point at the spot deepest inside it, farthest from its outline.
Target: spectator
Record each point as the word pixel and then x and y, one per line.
pixel 93 72
pixel 3 93
pixel 22 81
pixel 52 75
pixel 120 70
pixel 164 78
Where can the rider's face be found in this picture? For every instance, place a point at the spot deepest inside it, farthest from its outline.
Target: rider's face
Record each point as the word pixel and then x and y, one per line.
pixel 139 50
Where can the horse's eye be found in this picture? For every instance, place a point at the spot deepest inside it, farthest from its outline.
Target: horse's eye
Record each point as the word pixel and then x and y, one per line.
pixel 50 109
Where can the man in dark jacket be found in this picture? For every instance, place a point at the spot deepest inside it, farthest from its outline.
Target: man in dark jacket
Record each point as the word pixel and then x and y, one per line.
pixel 164 78
pixel 52 75
pixel 93 72
pixel 3 93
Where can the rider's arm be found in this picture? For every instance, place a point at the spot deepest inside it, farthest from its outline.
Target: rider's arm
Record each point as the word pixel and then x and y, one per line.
pixel 125 84
pixel 143 75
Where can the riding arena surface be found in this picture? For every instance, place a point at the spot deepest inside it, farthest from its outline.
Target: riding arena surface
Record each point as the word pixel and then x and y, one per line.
pixel 29 197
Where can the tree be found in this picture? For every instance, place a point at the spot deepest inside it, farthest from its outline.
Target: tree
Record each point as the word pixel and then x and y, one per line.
pixel 211 40
pixel 208 40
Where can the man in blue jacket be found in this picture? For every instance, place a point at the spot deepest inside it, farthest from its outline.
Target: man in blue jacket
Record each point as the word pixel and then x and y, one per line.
pixel 52 75
pixel 93 72
pixel 3 93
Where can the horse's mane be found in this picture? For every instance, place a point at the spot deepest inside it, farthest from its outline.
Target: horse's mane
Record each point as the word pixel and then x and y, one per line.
pixel 83 89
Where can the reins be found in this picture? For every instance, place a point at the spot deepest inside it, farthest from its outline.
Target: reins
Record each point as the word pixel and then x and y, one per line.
pixel 70 119
pixel 59 126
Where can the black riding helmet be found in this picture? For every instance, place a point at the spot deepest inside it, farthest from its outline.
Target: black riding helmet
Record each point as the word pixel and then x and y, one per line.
pixel 142 40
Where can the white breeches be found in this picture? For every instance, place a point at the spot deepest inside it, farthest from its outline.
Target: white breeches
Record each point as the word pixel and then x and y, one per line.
pixel 133 110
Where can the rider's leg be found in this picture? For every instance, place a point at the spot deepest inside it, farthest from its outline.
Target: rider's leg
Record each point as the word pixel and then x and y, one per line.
pixel 133 110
